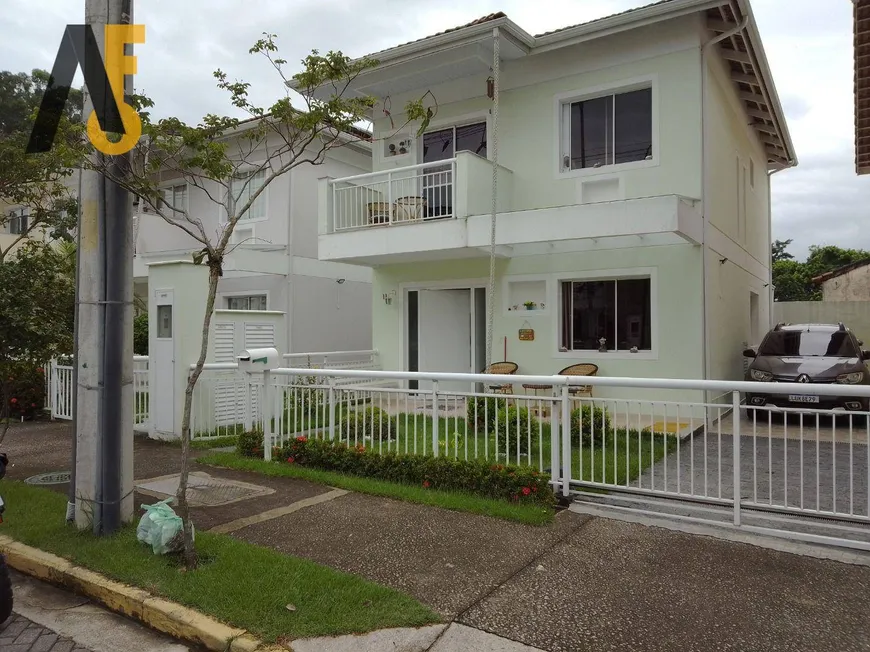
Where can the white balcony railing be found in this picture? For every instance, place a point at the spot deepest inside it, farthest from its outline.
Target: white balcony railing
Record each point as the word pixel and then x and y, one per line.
pixel 401 195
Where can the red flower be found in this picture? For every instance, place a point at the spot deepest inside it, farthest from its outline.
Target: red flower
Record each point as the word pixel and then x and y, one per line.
pixel 302 438
pixel 33 405
pixel 40 370
pixel 290 460
pixel 535 489
pixel 426 483
pixel 526 491
pixel 361 448
pixel 14 401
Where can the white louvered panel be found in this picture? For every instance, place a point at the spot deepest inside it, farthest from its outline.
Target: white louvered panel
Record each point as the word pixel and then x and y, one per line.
pixel 225 342
pixel 259 336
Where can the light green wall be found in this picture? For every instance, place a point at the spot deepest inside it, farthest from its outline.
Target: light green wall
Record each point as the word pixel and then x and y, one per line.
pixel 528 132
pixel 679 310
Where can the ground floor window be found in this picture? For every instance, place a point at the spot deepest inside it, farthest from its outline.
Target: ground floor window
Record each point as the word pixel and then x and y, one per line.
pixel 616 310
pixel 252 302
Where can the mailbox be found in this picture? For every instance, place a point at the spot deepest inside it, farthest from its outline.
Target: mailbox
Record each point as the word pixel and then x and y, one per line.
pixel 254 360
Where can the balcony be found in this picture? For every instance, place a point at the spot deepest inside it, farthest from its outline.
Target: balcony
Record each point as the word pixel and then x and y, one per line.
pixel 442 211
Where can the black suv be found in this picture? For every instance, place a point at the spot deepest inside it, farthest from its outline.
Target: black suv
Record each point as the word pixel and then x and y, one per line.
pixel 809 353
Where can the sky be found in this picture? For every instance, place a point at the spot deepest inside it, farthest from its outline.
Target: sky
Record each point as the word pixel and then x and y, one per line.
pixel 808 45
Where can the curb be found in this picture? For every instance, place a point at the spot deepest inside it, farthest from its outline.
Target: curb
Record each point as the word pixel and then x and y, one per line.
pixel 162 615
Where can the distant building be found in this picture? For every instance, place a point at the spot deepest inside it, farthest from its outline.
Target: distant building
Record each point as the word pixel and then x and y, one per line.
pixel 848 283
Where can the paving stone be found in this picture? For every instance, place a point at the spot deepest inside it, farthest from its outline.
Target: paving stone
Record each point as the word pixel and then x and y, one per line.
pixel 21 635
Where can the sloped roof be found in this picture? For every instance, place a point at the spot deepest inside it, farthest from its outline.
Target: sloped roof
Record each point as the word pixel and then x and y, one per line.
pixel 845 269
pixel 477 21
pixel 588 22
pixel 861 44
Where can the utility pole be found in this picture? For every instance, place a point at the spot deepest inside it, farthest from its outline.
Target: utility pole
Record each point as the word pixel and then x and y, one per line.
pixel 104 402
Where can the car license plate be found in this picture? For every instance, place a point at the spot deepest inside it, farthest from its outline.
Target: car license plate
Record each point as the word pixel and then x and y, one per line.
pixel 802 398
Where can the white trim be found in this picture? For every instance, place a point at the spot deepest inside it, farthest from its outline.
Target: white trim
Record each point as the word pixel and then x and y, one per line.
pixel 245 293
pixel 607 275
pixel 560 100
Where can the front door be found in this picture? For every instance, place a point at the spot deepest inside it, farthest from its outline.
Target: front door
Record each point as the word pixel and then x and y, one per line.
pixel 444 335
pixel 162 358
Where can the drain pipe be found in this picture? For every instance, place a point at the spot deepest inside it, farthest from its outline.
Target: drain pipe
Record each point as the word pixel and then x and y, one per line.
pixel 704 177
pixel 71 497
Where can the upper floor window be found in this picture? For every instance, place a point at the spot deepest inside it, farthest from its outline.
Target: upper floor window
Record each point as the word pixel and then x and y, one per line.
pixel 607 130
pixel 175 201
pixel 618 310
pixel 243 188
pixel 253 302
pixel 18 221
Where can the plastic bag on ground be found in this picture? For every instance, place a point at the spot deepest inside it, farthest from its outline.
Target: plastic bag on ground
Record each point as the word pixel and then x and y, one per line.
pixel 161 528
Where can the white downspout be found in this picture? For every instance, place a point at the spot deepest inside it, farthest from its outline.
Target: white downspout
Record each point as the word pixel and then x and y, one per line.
pixel 705 176
pixel 496 65
pixel 289 285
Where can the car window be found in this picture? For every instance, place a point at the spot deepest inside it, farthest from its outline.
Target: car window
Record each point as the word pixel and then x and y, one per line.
pixel 808 343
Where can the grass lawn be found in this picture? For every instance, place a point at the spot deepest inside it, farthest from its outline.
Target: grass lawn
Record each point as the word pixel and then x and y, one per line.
pixel 461 502
pixel 241 584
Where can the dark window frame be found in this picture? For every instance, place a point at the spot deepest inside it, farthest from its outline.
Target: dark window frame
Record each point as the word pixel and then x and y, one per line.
pixel 572 107
pixel 599 289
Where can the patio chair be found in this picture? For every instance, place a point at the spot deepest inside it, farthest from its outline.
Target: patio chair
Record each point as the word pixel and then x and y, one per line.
pixel 582 369
pixel 503 369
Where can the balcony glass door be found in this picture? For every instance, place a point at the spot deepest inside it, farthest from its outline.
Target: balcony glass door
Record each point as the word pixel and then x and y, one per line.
pixel 442 145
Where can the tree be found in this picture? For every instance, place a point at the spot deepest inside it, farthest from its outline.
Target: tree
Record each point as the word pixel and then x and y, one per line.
pixel 37 313
pixel 232 162
pixel 778 250
pixel 37 185
pixel 793 280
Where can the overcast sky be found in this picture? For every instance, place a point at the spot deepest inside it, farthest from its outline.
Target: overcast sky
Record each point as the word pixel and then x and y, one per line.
pixel 808 43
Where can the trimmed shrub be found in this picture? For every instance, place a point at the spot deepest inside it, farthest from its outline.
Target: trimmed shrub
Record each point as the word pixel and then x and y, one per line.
pixel 481 412
pixel 250 444
pixel 372 422
pixel 520 484
pixel 23 392
pixel 512 423
pixel 588 421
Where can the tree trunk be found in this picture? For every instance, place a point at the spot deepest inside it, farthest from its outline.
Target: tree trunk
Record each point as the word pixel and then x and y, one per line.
pixel 190 558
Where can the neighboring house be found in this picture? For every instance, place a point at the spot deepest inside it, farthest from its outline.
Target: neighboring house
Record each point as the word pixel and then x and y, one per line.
pixel 848 283
pixel 273 261
pixel 861 45
pixel 615 139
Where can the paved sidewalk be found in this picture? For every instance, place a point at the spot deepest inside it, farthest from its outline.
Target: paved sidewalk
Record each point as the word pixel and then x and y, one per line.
pixel 580 584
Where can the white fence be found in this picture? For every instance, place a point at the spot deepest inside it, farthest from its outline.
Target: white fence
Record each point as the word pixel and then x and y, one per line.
pixel 808 462
pixel 400 195
pixel 59 391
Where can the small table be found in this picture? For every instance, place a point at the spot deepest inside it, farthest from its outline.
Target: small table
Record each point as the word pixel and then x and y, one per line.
pixel 544 411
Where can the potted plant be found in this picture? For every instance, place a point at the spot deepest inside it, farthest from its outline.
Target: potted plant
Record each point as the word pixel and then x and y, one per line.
pixel 530 305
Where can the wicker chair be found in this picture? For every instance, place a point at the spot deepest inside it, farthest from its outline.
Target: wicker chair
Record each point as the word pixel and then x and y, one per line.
pixel 582 369
pixel 502 369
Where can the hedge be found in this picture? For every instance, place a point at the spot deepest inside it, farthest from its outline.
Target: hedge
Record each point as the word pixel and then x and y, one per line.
pixel 24 390
pixel 519 484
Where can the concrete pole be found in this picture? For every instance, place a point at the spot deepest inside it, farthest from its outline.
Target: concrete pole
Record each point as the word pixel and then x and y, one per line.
pixel 104 410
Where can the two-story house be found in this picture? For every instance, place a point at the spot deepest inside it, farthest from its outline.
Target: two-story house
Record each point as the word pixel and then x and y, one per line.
pixel 631 197
pixel 272 264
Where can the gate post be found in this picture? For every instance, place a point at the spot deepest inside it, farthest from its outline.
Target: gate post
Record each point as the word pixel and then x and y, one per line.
pixel 735 421
pixel 566 440
pixel 555 441
pixel 267 416
pixel 435 443
pixel 332 408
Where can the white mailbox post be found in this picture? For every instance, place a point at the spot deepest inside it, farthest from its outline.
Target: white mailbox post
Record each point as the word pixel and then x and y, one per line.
pixel 262 361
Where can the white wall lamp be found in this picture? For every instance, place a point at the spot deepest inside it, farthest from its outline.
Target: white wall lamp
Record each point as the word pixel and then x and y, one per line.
pixel 388 297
